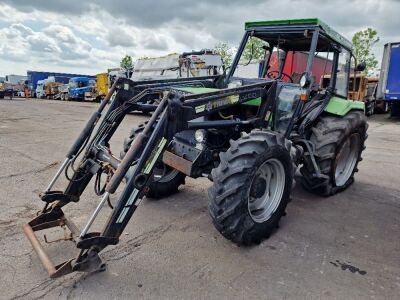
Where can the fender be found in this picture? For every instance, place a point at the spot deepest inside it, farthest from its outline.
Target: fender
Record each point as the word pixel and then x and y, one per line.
pixel 340 107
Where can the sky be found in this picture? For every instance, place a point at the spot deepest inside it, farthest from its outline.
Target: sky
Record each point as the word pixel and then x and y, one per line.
pixel 88 37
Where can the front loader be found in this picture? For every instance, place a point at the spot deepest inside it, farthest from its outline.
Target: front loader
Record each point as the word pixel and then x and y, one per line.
pixel 247 135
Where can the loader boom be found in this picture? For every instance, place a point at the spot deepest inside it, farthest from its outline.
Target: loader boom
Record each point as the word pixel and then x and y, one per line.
pixel 137 166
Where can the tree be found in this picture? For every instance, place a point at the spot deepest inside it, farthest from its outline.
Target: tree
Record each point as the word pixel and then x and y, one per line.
pixel 127 64
pixel 254 49
pixel 362 48
pixel 226 52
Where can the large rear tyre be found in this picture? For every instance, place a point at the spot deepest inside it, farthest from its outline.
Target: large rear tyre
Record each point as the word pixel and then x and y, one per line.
pixel 338 143
pixel 165 181
pixel 251 187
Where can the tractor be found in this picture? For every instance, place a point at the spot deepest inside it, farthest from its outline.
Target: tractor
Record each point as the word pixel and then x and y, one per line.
pixel 247 135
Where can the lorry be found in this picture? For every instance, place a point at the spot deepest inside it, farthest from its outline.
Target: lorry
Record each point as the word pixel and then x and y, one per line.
pixel 2 90
pixel 294 63
pixel 52 89
pixel 39 92
pixel 34 76
pixel 389 79
pixel 99 90
pixel 247 135
pixel 78 86
pixel 188 64
pixel 42 87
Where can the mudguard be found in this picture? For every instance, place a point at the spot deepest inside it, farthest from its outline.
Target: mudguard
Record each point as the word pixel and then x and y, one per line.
pixel 340 107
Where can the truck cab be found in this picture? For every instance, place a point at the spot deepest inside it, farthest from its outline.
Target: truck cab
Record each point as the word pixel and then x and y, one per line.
pixel 40 89
pixel 78 86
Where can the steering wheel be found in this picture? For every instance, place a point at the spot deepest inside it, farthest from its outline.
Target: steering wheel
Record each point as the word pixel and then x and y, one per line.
pixel 279 75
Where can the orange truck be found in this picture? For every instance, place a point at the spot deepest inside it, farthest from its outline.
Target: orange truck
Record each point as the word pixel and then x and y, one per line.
pixel 51 89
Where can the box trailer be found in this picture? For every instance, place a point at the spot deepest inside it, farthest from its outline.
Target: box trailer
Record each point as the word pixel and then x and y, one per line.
pixel 389 79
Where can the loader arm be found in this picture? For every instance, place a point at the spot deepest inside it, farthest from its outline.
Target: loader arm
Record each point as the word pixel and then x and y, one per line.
pixel 175 112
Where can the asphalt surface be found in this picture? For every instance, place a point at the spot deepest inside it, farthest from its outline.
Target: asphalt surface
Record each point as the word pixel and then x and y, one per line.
pixel 343 247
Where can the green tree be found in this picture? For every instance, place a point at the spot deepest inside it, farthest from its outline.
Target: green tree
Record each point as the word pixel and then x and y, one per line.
pixel 127 64
pixel 362 48
pixel 254 49
pixel 226 52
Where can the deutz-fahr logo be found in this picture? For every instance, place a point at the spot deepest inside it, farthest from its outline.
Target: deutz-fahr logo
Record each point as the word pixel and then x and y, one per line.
pixel 217 103
pixel 222 102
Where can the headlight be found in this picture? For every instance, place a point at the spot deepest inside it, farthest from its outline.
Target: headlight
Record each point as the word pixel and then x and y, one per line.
pixel 304 80
pixel 199 135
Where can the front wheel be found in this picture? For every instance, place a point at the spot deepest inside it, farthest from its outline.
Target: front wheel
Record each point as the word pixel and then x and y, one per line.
pixel 251 187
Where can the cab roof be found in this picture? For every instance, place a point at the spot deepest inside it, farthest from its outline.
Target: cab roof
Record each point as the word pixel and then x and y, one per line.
pixel 312 22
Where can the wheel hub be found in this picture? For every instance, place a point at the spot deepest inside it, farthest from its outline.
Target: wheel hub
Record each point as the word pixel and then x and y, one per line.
pixel 266 190
pixel 346 159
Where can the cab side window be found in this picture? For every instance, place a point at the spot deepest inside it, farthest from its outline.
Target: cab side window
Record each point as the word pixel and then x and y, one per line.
pixel 343 71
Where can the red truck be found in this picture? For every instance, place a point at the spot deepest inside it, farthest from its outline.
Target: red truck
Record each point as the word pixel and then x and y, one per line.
pixel 297 61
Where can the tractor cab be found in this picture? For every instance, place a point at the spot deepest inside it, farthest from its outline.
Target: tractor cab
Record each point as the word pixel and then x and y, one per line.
pixel 296 54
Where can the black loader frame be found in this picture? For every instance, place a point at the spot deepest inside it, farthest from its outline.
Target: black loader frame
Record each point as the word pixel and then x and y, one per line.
pixel 173 111
pixel 173 114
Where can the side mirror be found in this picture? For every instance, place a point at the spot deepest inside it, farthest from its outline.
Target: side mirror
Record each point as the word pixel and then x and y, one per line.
pixel 361 66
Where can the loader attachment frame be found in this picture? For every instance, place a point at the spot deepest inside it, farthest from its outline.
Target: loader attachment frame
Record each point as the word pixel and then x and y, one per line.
pixel 174 112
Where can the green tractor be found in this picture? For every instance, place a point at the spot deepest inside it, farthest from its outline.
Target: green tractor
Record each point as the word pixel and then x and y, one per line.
pixel 247 134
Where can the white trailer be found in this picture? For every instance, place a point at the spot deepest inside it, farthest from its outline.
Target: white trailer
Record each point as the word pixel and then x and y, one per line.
pixel 187 64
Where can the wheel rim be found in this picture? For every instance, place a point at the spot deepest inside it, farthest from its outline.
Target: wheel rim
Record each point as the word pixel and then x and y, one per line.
pixel 266 190
pixel 164 173
pixel 346 159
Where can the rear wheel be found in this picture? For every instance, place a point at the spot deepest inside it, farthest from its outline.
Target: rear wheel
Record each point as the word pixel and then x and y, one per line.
pixel 251 187
pixel 165 181
pixel 370 108
pixel 338 143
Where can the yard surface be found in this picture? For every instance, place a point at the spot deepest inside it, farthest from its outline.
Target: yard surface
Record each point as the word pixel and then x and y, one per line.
pixel 343 247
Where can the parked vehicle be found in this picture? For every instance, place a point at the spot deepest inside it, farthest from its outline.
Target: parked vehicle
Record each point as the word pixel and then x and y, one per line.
pixel 102 85
pixel 39 93
pixel 248 135
pixel 98 90
pixel 389 80
pixel 363 89
pixel 51 89
pixel 78 86
pixel 185 65
pixel 294 64
pixel 63 93
pixel 2 90
pixel 35 76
